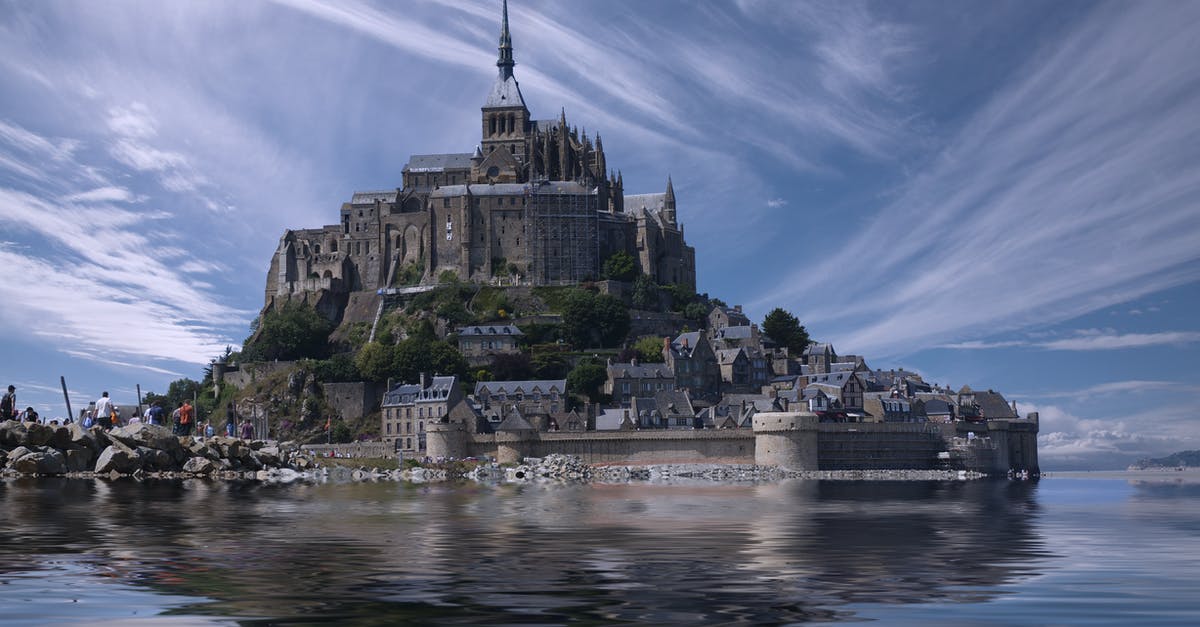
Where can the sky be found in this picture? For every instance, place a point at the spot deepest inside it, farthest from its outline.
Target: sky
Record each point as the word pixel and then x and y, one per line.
pixel 995 194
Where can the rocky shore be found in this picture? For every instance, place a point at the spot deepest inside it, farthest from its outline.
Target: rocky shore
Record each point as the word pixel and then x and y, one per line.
pixel 139 449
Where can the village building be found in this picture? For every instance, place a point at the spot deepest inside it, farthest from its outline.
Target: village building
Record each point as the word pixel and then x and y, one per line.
pixel 409 408
pixel 690 357
pixel 478 343
pixel 630 380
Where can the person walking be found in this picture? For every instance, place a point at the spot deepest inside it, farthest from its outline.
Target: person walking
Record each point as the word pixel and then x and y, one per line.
pixel 155 413
pixel 8 405
pixel 186 416
pixel 247 430
pixel 104 412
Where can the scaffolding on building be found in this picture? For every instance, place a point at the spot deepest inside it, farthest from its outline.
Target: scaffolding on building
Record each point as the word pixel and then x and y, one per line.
pixel 563 242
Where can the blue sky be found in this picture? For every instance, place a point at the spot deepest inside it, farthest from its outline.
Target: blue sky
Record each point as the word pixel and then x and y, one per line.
pixel 998 194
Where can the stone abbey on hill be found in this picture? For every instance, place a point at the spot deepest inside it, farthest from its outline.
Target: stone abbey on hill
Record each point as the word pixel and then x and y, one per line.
pixel 535 203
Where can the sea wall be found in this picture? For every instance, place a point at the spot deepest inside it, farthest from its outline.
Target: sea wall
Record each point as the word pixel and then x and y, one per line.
pixel 794 441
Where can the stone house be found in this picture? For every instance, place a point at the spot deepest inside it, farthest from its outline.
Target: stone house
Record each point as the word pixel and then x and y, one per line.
pixel 845 386
pixel 480 342
pixel 627 381
pixel 664 410
pixel 408 408
pixel 691 358
pixel 743 370
pixel 541 402
pixel 889 408
pixel 721 317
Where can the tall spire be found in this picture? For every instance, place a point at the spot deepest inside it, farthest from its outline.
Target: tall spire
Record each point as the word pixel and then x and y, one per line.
pixel 505 62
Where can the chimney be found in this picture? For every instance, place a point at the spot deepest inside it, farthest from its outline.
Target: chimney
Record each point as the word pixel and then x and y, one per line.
pixel 685 342
pixel 424 380
pixel 633 360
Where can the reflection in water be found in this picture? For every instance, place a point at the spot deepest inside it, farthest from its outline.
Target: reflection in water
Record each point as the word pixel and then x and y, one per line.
pixel 526 554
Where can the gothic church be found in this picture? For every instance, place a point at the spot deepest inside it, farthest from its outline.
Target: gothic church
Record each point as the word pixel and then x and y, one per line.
pixel 534 204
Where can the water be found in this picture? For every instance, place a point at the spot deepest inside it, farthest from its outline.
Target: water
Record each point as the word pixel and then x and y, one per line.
pixel 1066 550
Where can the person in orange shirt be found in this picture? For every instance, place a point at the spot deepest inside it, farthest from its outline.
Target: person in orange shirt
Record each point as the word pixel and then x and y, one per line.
pixel 187 416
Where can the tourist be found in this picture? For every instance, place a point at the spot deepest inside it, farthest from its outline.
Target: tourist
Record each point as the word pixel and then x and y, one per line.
pixel 208 430
pixel 104 412
pixel 155 413
pixel 186 415
pixel 247 430
pixel 30 415
pixel 8 406
pixel 230 422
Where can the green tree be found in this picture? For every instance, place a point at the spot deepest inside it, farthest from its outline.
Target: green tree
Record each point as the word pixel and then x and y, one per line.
pixel 649 349
pixel 786 330
pixel 549 363
pixel 620 266
pixel 586 378
pixel 645 293
pixel 611 320
pixel 294 331
pixel 340 368
pixel 375 361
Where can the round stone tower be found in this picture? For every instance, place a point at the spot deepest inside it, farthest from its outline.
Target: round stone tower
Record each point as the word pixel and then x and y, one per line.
pixel 786 439
pixel 446 439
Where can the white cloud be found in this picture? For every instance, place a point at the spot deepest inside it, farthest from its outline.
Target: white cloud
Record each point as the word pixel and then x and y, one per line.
pixel 1039 209
pixel 101 194
pixel 1107 340
pixel 776 203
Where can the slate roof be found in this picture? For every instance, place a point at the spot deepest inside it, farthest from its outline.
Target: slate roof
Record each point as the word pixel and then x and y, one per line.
pixel 488 330
pixel 639 204
pixel 369 198
pixel 728 356
pixel 938 407
pixel 438 163
pixel 838 379
pixel 505 92
pixel 640 371
pixel 514 422
pixel 819 348
pixel 524 387
pixel 693 338
pixel 735 333
pixel 992 405
pixel 405 393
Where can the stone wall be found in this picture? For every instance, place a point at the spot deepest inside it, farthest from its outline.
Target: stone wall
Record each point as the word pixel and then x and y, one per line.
pixel 247 373
pixel 352 450
pixel 880 446
pixel 352 400
pixel 1002 445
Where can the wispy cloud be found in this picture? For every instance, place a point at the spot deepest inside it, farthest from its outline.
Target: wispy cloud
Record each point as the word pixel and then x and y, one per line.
pixel 101 195
pixel 1089 340
pixel 1107 340
pixel 776 203
pixel 1038 210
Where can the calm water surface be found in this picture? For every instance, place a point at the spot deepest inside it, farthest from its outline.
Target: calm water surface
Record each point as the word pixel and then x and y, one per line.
pixel 1066 550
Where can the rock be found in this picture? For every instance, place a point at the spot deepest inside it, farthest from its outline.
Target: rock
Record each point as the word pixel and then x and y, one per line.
pixel 147 435
pixel 61 438
pixel 79 459
pixel 199 466
pixel 156 460
pixel 93 439
pixel 118 459
pixel 44 461
pixel 13 433
pixel 37 434
pixel 269 456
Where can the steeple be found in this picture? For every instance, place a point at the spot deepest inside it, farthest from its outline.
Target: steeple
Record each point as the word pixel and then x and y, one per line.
pixel 505 62
pixel 669 203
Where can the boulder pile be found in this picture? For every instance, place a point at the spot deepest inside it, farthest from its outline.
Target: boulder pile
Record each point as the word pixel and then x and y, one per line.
pixel 30 448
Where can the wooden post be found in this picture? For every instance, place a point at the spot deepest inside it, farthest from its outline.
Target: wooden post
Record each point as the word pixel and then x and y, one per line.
pixel 67 398
pixel 139 405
